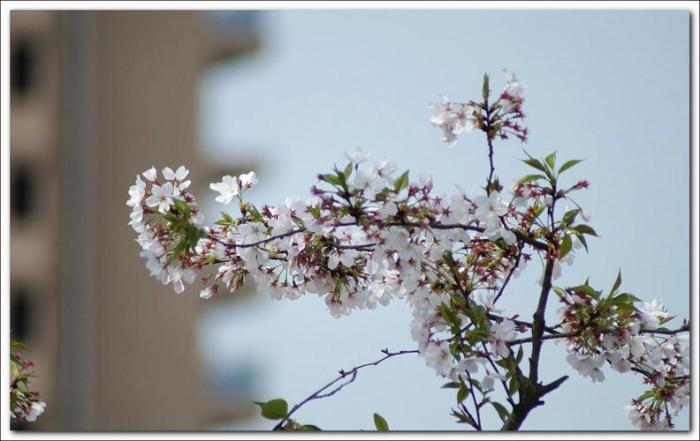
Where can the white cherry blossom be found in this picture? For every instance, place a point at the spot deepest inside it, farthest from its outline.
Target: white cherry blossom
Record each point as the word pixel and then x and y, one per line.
pixel 228 189
pixel 161 197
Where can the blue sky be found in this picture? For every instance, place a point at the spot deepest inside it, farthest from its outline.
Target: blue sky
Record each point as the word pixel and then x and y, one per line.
pixel 609 87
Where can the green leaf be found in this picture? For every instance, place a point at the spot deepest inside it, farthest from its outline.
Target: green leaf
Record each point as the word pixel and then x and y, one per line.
pixel 560 292
pixel 568 164
pixel 476 384
pixel 617 283
pixel 462 394
pixel 309 428
pixel 664 319
pixel 450 317
pixel 181 206
pixel 477 314
pixel 625 308
pixel 529 178
pixel 624 302
pixel 626 297
pixel 537 210
pixel 17 345
pixel 226 219
pixel 565 247
pixel 333 179
pixel 380 423
pixel 551 160
pixel 485 87
pixel 519 356
pixel 401 182
pixel 193 234
pixel 587 291
pixel 254 213
pixel 347 172
pixel 532 162
pixel 315 211
pixel 513 386
pixel 180 248
pixel 494 185
pixel 585 229
pixel 502 411
pixel 582 238
pixel 451 385
pixel 274 409
pixel 503 362
pixel 462 417
pixel 570 216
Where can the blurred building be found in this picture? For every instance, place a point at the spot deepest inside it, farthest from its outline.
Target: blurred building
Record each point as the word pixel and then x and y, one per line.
pixel 97 97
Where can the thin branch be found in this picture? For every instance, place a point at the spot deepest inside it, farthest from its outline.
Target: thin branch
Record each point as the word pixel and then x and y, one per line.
pixel 491 167
pixel 477 408
pixel 521 341
pixel 497 371
pixel 574 334
pixel 684 328
pixel 498 318
pixel 510 274
pixel 472 420
pixel 434 225
pixel 487 129
pixel 547 388
pixel 259 242
pixel 350 375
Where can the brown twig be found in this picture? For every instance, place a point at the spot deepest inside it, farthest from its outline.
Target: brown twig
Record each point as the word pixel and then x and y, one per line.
pixel 350 375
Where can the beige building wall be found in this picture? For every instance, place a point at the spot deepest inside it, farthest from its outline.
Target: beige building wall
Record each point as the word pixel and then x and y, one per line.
pixel 34 218
pixel 114 348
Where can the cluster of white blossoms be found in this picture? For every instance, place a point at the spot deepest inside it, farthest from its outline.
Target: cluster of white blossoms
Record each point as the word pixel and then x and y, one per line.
pixel 371 237
pixel 620 331
pixel 368 235
pixel 161 196
pixel 455 118
pixel 30 412
pixel 25 404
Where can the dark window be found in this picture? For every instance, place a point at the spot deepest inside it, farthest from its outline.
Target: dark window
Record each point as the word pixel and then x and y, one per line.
pixel 23 67
pixel 20 314
pixel 22 192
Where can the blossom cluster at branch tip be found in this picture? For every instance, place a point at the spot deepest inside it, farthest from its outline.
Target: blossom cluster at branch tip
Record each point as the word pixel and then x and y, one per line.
pixel 621 331
pixel 25 404
pixel 231 186
pixel 498 119
pixel 453 118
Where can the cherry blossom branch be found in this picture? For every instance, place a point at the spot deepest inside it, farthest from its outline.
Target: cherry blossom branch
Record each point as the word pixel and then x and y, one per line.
pixel 343 374
pixel 394 249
